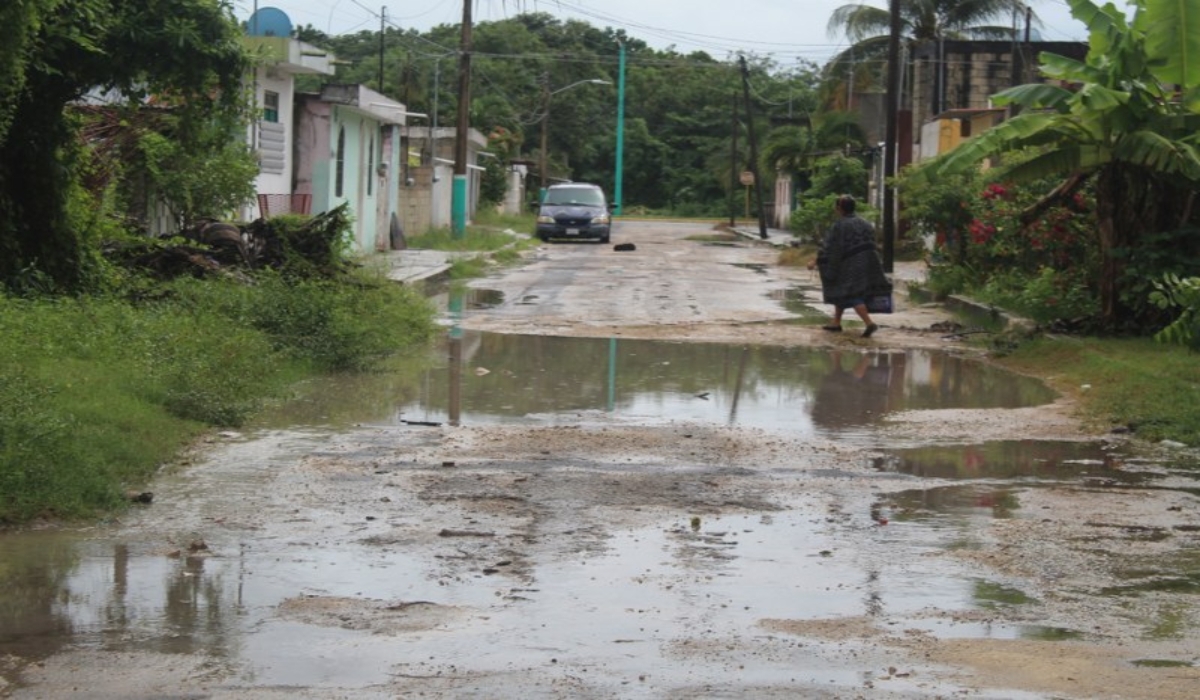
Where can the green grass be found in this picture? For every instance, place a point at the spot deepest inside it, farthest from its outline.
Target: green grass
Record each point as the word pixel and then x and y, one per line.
pixel 96 393
pixel 492 219
pixel 1150 387
pixel 481 237
pixel 499 238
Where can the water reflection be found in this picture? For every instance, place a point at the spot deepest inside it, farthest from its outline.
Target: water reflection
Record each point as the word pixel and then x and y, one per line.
pixel 1041 460
pixel 477 378
pixel 510 378
pixel 59 589
pixel 455 357
pixel 952 505
pixel 33 567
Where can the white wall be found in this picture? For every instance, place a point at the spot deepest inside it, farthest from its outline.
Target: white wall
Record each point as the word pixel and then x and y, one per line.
pixel 272 180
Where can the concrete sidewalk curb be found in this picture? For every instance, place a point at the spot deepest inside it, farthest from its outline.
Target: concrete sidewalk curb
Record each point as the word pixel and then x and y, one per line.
pixel 413 265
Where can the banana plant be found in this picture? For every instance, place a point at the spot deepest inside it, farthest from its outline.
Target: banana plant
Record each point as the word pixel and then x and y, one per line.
pixel 1126 117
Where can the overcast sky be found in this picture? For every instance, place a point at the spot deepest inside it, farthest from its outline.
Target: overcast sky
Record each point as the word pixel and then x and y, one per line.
pixel 787 29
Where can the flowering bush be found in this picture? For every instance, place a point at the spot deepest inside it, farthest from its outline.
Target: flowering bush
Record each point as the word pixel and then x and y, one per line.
pixel 1059 239
pixel 1046 269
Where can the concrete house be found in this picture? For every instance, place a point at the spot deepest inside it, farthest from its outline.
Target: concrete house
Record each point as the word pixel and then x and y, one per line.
pixel 279 59
pixel 318 151
pixel 348 150
pixel 429 174
pixel 346 144
pixel 953 83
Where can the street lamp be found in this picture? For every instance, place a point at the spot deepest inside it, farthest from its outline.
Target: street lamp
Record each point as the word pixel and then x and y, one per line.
pixel 547 93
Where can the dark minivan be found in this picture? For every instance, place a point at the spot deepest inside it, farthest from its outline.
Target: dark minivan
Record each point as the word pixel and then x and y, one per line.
pixel 574 210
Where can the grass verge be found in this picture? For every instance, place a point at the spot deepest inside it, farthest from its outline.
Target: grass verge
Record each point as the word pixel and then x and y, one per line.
pixel 96 393
pixel 1151 388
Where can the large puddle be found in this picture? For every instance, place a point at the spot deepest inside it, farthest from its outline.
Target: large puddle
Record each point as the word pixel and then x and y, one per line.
pixel 94 589
pixel 510 378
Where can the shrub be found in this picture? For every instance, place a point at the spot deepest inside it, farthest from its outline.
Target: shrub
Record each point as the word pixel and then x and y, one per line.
pixel 334 325
pixel 1183 293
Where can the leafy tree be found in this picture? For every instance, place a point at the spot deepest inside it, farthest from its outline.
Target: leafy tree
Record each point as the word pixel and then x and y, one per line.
pixel 185 53
pixel 795 149
pixel 1130 127
pixel 921 21
pixel 833 175
pixel 1182 293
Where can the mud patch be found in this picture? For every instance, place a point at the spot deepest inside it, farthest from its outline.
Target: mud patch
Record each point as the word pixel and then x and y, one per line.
pixel 1082 670
pixel 832 630
pixel 377 617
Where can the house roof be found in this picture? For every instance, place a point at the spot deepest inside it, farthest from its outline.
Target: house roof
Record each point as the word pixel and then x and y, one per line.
pixel 291 55
pixel 366 101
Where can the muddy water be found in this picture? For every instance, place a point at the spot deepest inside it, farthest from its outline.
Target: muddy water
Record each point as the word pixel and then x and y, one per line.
pixel 547 379
pixel 326 595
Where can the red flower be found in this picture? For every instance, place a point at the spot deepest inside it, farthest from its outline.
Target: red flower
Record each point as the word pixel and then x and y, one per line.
pixel 981 233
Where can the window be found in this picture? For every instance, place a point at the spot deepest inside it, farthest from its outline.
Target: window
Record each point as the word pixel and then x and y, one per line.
pixel 371 167
pixel 271 107
pixel 340 174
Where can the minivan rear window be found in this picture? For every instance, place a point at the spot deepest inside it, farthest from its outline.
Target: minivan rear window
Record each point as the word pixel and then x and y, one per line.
pixel 589 196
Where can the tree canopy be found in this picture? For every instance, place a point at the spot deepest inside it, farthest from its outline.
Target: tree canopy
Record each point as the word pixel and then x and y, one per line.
pixel 1129 124
pixel 678 110
pixel 180 53
pixel 868 27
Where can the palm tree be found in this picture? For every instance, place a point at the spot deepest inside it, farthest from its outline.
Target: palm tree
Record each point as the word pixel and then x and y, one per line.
pixel 1132 125
pixel 921 21
pixel 794 149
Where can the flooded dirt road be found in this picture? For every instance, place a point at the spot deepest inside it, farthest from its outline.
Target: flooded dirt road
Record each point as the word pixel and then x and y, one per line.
pixel 566 501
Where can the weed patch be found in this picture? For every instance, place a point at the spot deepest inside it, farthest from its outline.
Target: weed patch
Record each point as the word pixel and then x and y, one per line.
pixel 1136 383
pixel 96 393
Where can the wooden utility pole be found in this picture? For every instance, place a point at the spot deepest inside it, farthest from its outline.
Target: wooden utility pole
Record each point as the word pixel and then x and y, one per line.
pixel 889 144
pixel 733 166
pixel 382 34
pixel 762 218
pixel 458 195
pixel 543 162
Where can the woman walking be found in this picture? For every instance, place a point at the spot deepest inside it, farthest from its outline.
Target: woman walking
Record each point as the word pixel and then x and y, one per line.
pixel 850 268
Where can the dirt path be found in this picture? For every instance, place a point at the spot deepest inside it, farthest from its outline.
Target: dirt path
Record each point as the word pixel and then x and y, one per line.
pixel 588 555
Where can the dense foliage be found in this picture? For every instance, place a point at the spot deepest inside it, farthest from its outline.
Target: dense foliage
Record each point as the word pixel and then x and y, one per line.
pixel 184 53
pixel 95 392
pixel 679 108
pixel 1123 146
pixel 832 176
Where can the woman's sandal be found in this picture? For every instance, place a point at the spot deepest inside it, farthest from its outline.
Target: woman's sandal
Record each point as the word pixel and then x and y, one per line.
pixel 832 329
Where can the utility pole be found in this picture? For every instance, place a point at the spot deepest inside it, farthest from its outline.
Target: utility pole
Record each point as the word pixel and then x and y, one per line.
pixel 733 165
pixel 382 31
pixel 618 193
pixel 458 195
pixel 889 145
pixel 762 219
pixel 542 161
